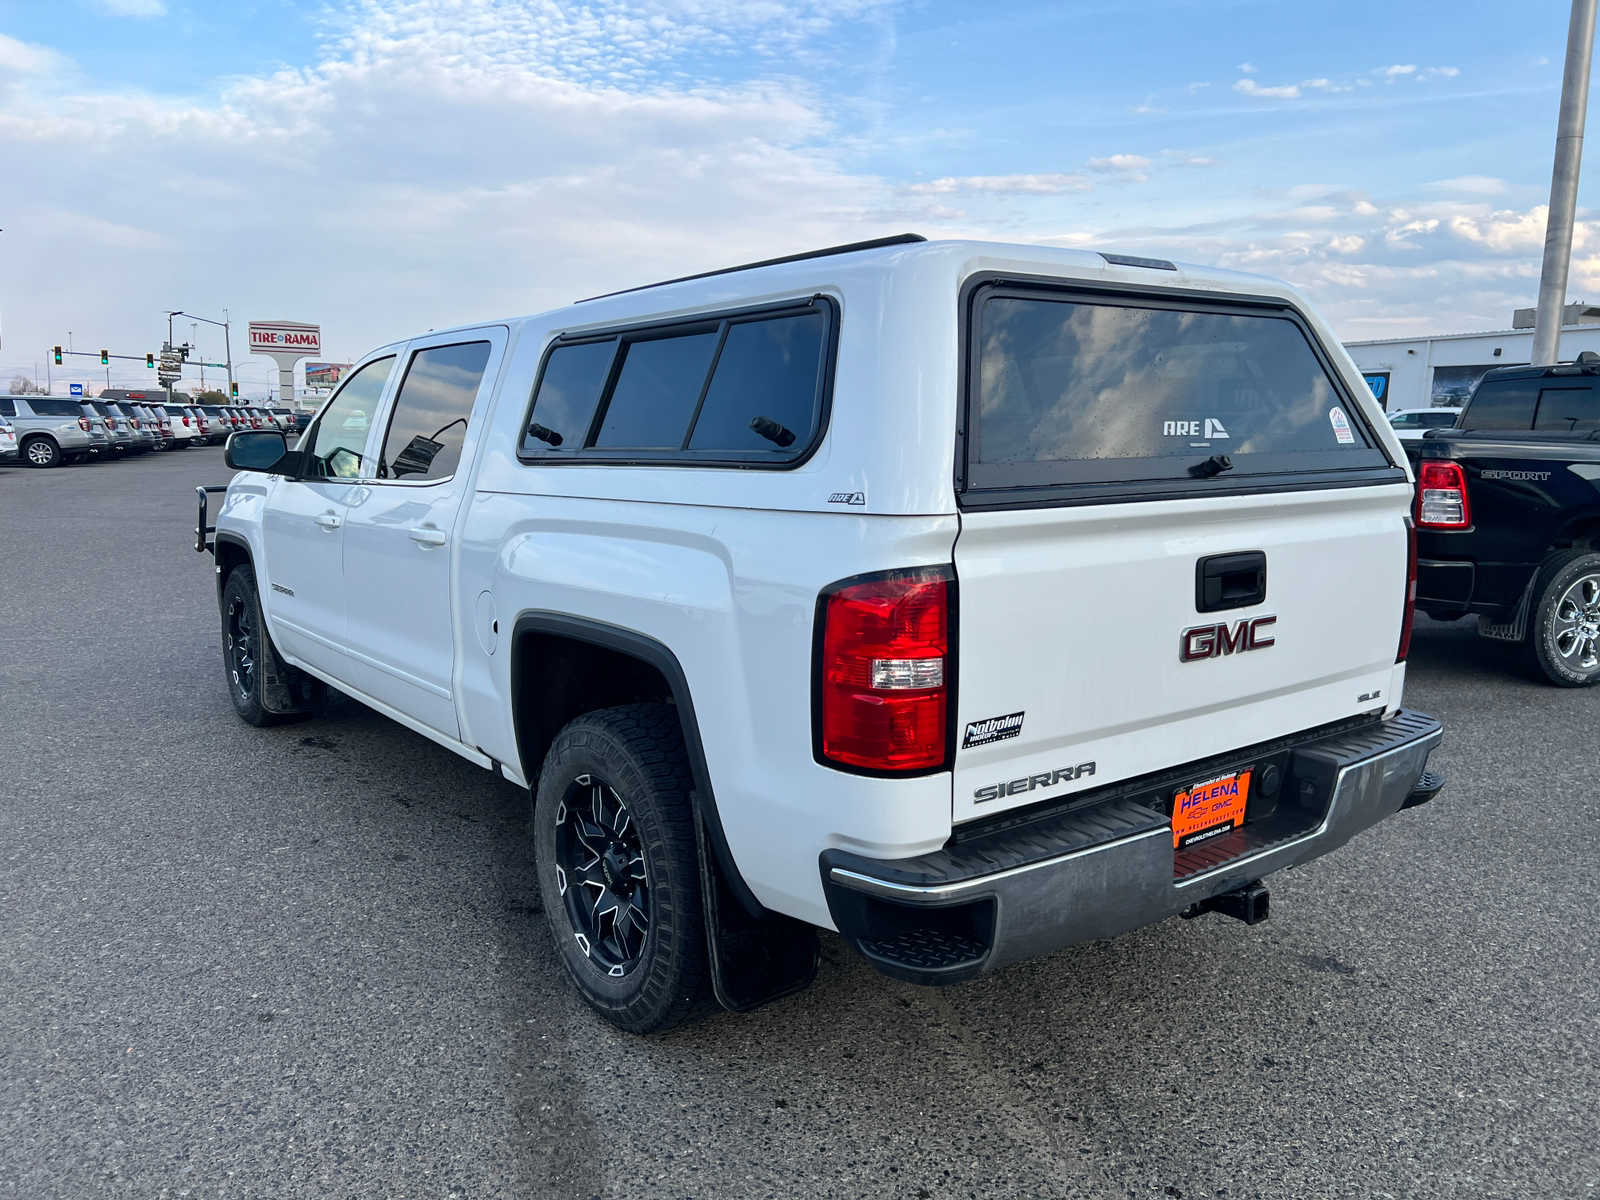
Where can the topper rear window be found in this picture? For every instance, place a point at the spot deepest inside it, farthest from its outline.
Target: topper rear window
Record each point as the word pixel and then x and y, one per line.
pixel 1068 389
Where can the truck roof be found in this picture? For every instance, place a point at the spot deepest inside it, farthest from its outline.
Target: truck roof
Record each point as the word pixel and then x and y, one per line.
pixel 836 266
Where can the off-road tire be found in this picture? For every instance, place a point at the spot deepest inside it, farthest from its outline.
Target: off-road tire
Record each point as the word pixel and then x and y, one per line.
pixel 1557 576
pixel 241 619
pixel 637 751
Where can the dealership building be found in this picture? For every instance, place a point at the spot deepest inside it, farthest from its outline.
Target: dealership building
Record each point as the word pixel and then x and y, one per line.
pixel 1425 371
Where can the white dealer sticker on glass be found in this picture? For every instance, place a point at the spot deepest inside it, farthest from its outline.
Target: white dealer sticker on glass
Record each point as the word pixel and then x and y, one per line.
pixel 1341 426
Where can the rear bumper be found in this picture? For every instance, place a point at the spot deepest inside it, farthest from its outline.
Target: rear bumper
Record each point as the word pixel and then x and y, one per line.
pixel 1101 869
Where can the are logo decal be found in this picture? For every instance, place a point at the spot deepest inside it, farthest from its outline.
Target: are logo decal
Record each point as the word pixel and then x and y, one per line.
pixel 848 498
pixel 1210 428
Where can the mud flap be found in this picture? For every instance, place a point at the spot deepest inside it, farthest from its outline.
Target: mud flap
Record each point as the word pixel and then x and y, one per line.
pixel 284 689
pixel 754 959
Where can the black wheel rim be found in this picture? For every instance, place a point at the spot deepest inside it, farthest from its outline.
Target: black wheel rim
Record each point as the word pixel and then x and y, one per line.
pixel 601 875
pixel 241 637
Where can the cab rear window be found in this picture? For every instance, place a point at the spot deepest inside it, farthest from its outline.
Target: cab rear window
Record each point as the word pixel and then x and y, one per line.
pixel 1074 389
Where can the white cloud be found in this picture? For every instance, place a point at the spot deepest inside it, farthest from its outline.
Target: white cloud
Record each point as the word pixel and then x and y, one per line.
pixel 1250 87
pixel 1245 68
pixel 1350 243
pixel 1472 185
pixel 1021 185
pixel 25 58
pixel 1120 162
pixel 134 8
pixel 1438 73
pixel 1147 107
pixel 1512 232
pixel 1200 86
pixel 1396 71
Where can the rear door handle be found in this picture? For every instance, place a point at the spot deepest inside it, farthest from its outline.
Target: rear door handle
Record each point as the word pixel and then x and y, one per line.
pixel 426 536
pixel 329 521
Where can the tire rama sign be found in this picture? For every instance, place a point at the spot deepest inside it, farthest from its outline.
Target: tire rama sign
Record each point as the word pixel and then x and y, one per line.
pixel 286 342
pixel 268 337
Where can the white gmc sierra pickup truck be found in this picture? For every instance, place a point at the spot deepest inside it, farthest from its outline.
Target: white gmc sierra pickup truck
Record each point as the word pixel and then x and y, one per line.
pixel 970 600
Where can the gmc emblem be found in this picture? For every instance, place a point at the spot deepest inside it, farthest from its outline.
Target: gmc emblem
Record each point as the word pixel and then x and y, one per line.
pixel 1215 641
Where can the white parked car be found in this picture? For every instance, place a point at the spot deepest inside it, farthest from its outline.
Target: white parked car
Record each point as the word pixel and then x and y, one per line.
pixel 1410 424
pixel 971 600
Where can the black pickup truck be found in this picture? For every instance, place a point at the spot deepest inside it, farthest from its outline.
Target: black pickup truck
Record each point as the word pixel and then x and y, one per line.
pixel 1508 515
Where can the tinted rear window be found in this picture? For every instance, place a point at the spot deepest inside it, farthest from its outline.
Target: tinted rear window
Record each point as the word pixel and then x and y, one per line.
pixel 1070 390
pixel 569 389
pixel 1568 410
pixel 748 388
pixel 656 392
pixel 1502 404
pixel 767 370
pixel 47 407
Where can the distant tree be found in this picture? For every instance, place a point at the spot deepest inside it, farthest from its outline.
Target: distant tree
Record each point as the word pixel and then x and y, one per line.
pixel 211 396
pixel 21 385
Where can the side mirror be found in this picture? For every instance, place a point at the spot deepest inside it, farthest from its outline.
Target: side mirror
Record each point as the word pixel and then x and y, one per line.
pixel 255 449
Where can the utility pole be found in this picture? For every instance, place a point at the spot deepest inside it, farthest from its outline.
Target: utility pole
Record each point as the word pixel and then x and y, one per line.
pixel 1564 184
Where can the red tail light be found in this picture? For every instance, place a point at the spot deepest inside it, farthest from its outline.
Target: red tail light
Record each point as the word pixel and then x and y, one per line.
pixel 1442 501
pixel 83 424
pixel 134 421
pixel 186 419
pixel 1409 614
pixel 883 679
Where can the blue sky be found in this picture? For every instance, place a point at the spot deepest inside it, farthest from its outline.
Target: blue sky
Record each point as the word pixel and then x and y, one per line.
pixel 384 166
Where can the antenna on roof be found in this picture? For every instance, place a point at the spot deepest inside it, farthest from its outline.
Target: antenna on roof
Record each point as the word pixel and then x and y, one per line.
pixel 899 239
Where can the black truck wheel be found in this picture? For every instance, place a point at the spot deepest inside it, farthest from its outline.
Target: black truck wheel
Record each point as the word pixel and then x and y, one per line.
pixel 619 874
pixel 244 637
pixel 1565 636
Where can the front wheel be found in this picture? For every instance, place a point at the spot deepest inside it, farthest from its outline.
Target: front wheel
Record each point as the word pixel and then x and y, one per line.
pixel 1565 638
pixel 244 637
pixel 619 872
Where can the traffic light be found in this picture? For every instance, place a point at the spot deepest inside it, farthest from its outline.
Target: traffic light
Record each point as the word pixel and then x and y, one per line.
pixel 105 358
pixel 57 350
pixel 233 390
pixel 149 360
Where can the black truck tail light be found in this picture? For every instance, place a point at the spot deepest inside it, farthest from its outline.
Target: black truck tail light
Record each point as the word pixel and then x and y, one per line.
pixel 882 686
pixel 1442 501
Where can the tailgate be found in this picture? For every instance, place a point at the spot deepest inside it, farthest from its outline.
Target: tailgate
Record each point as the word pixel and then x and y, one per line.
pixel 1076 624
pixel 1180 534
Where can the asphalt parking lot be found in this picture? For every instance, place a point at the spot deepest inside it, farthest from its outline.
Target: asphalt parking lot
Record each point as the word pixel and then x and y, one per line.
pixel 308 961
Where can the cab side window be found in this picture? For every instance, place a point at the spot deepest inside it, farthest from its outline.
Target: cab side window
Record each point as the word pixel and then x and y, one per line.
pixel 334 446
pixel 431 411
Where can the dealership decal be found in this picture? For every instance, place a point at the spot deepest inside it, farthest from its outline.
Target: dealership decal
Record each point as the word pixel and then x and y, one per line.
pixel 992 729
pixel 1341 426
pixel 848 498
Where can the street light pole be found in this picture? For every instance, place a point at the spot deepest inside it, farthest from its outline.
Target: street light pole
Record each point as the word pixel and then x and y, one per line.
pixel 1564 184
pixel 227 347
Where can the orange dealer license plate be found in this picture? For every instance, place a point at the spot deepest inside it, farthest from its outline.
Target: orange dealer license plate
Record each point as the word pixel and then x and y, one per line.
pixel 1209 809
